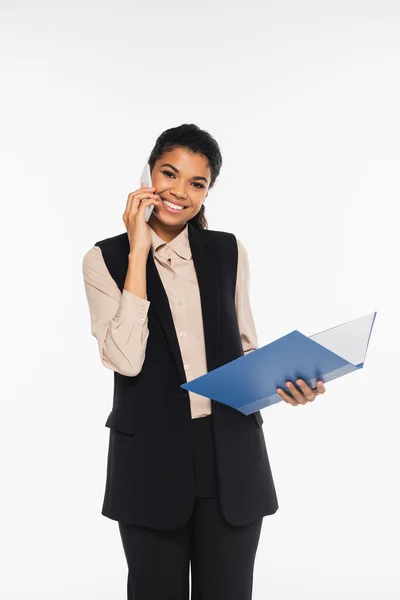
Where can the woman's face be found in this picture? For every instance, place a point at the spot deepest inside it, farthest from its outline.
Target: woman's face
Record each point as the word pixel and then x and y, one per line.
pixel 182 178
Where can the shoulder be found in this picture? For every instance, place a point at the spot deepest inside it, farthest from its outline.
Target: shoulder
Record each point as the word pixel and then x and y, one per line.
pixel 220 241
pixel 113 251
pixel 93 261
pixel 227 239
pixel 116 241
pixel 108 258
pixel 241 246
pixel 219 236
pixel 242 250
pixel 94 258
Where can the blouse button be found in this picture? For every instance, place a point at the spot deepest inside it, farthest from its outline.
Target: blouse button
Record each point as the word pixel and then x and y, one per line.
pixel 185 367
pixel 182 334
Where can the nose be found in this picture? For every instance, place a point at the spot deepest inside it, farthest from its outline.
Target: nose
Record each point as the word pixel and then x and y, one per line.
pixel 179 195
pixel 179 192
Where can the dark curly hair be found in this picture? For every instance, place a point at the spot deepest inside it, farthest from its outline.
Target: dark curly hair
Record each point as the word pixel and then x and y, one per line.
pixel 196 140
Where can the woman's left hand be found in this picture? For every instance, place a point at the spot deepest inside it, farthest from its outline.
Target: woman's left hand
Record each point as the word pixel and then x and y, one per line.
pixel 301 397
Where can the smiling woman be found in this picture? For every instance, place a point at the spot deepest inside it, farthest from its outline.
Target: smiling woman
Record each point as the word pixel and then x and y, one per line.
pixel 169 301
pixel 182 184
pixel 184 163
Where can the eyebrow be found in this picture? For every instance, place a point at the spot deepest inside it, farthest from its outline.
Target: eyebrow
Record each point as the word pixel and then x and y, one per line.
pixel 177 171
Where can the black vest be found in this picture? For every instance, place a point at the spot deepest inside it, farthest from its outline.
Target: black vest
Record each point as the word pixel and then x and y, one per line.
pixel 150 471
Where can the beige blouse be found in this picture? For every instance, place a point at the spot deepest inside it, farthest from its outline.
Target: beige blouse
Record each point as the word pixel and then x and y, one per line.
pixel 119 321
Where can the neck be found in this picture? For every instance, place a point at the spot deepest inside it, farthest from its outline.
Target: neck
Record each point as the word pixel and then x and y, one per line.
pixel 166 232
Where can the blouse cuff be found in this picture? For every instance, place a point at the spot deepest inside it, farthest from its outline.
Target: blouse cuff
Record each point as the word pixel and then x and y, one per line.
pixel 132 306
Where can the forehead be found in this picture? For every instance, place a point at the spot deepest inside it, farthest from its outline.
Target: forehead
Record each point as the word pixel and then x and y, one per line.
pixel 187 161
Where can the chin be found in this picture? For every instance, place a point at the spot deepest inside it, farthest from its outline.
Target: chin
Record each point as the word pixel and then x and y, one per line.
pixel 171 219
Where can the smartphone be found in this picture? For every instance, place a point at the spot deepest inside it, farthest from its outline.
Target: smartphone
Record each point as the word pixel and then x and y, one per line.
pixel 146 177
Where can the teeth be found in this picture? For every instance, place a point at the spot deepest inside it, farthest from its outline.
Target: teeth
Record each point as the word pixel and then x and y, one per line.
pixel 173 205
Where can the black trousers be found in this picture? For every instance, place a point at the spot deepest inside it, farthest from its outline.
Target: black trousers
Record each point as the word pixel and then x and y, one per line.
pixel 221 555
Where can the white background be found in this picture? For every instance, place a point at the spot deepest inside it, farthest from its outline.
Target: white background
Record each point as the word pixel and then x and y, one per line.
pixel 303 98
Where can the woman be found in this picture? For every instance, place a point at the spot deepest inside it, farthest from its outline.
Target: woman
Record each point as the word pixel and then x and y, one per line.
pixel 188 478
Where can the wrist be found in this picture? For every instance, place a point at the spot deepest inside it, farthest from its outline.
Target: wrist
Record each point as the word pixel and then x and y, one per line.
pixel 138 252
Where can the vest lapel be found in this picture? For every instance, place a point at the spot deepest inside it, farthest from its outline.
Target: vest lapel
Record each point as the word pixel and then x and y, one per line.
pixel 206 267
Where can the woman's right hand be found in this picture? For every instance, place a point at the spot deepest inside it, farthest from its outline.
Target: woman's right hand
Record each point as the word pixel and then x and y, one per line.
pixel 133 217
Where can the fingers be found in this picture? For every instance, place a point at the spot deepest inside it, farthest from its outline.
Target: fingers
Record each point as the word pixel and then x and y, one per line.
pixel 306 390
pixel 142 192
pixel 138 197
pixel 135 198
pixel 302 396
pixel 147 201
pixel 287 398
pixel 131 197
pixel 320 389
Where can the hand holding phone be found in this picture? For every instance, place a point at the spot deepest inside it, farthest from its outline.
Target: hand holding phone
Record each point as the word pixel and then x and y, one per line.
pixel 134 216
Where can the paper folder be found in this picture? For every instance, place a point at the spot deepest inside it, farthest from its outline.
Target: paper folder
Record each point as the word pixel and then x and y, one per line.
pixel 249 382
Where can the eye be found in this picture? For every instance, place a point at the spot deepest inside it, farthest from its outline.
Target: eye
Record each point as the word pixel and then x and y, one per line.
pixel 173 174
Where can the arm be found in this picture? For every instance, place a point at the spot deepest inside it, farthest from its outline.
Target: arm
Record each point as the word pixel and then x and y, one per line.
pixel 247 327
pixel 119 322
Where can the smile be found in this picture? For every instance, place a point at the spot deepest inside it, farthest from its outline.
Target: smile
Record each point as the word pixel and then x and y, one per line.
pixel 172 207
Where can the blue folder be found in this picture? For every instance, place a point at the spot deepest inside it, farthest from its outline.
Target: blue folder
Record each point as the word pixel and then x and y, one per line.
pixel 249 382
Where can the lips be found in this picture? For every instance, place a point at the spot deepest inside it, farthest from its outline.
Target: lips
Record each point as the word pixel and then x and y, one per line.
pixel 173 202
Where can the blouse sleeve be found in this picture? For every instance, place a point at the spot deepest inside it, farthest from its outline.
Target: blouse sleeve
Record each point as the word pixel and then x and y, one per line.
pixel 247 327
pixel 119 321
